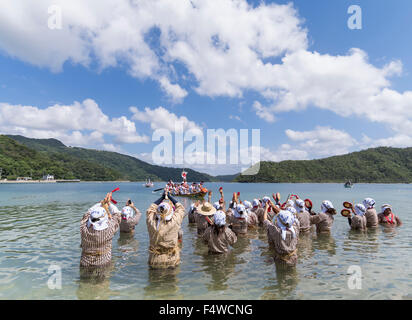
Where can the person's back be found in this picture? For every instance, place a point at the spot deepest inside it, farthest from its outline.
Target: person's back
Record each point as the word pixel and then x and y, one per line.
pixel 129 218
pixel 218 236
pixel 97 231
pixel 303 216
pixel 371 218
pixel 282 237
pixel 324 219
pixel 239 219
pixel 204 214
pixel 359 223
pixel 163 220
pixel 370 214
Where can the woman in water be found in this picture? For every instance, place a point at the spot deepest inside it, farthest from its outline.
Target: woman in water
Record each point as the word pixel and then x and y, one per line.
pixel 371 215
pixel 302 215
pixel 282 236
pixel 358 222
pixel 130 218
pixel 163 219
pixel 387 217
pixel 324 220
pixel 218 236
pixel 204 215
pixel 97 228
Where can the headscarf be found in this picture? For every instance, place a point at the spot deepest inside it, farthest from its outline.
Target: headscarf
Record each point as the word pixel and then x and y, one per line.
pixel 326 205
pixel 369 203
pixel 217 205
pixel 256 203
pixel 292 210
pixel 247 205
pixel 167 212
pixel 360 209
pixel 127 212
pixel 99 214
pixel 240 212
pixel 289 203
pixel 219 218
pixel 284 220
pixel 386 206
pixel 265 199
pixel 300 205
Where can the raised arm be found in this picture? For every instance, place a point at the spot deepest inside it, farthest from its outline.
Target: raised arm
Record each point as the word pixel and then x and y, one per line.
pixel 209 197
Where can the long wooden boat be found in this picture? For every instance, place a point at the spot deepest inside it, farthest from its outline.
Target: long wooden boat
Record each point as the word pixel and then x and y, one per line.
pixel 197 195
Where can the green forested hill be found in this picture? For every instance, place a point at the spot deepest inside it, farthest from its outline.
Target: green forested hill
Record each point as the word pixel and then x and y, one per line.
pixel 20 156
pixel 380 165
pixel 17 160
pixel 121 166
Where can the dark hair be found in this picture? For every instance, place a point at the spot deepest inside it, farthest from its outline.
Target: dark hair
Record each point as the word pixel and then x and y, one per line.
pixel 331 211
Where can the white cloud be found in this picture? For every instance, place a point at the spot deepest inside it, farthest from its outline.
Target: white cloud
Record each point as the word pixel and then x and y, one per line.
pixel 318 143
pixel 222 43
pixel 224 47
pixel 79 124
pixel 322 141
pixel 173 90
pixel 397 141
pixel 161 118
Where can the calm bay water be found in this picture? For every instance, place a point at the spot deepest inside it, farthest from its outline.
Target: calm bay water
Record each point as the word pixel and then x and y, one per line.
pixel 39 227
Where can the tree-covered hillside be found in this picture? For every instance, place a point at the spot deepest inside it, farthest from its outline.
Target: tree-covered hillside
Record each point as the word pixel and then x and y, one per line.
pixel 122 166
pixel 380 165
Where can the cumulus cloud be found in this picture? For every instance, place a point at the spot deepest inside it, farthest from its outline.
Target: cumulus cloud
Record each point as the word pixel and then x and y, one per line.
pixel 221 43
pixel 318 143
pixel 79 124
pixel 219 48
pixel 161 118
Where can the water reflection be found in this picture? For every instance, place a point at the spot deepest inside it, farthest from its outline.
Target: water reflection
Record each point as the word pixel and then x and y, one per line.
pixel 325 242
pixel 220 267
pixel 127 243
pixel 163 284
pixel 94 283
pixel 304 246
pixel 283 285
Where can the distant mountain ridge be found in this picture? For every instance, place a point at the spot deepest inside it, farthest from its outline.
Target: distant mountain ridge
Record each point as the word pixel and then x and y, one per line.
pixel 56 158
pixel 375 165
pixel 21 156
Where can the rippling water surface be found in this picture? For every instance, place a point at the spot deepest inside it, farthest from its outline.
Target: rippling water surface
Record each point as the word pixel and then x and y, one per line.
pixel 39 228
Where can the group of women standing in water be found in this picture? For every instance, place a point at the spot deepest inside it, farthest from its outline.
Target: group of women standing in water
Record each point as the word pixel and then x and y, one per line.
pixel 219 226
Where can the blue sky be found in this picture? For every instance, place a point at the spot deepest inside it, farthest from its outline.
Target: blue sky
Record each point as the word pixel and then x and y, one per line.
pixel 306 127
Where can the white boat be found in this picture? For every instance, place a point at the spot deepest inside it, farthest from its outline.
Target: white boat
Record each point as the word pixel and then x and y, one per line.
pixel 149 184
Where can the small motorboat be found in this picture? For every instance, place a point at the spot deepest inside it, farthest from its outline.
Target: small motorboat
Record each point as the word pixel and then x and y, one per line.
pixel 348 184
pixel 149 184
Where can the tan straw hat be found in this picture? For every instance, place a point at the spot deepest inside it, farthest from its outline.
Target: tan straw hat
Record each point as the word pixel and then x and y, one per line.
pixel 206 209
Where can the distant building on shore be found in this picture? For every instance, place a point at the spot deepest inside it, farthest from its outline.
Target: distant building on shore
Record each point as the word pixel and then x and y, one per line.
pixel 24 178
pixel 48 177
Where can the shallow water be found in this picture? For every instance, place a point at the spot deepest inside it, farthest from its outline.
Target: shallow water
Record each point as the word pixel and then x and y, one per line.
pixel 39 227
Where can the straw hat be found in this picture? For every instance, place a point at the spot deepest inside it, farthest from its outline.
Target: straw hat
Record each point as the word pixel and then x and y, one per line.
pixel 206 209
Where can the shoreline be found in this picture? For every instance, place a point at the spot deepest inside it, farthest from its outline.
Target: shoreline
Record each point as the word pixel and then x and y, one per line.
pixel 37 181
pixel 161 182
